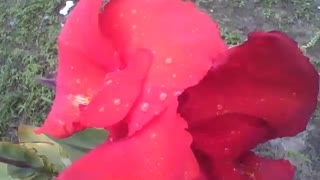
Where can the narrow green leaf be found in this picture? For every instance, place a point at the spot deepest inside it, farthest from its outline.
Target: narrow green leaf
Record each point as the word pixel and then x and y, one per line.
pixel 21 162
pixel 43 146
pixel 4 172
pixel 83 142
pixel 21 173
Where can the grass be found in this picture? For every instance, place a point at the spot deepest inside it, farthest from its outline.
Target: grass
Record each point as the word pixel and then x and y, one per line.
pixel 27 50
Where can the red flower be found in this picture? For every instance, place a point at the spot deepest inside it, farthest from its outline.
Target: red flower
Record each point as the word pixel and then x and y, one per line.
pixel 266 88
pixel 124 68
pixel 128 60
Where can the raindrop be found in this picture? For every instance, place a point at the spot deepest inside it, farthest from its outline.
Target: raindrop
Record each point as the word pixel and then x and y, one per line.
pixel 144 107
pixel 117 101
pixel 219 107
pixel 101 109
pixel 163 96
pixel 153 135
pixel 109 81
pixel 168 60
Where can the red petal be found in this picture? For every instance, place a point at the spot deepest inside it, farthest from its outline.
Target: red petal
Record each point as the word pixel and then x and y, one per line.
pixel 78 79
pixel 82 32
pixel 248 167
pixel 229 136
pixel 85 56
pixel 260 168
pixel 119 93
pixel 160 151
pixel 183 39
pixel 267 77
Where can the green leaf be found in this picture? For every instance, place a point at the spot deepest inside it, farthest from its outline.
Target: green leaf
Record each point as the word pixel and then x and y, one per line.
pixel 22 163
pixel 4 172
pixel 21 173
pixel 43 145
pixel 41 177
pixel 83 142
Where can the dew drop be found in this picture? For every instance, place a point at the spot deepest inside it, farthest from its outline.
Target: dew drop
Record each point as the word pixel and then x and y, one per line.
pixel 133 11
pixel 134 26
pixel 219 107
pixel 177 93
pixel 109 82
pixel 153 135
pixel 144 107
pixel 174 75
pixel 163 96
pixel 168 60
pixel 101 109
pixel 117 102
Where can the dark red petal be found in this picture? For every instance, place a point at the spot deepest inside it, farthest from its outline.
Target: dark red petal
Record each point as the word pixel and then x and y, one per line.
pixel 248 167
pixel 183 40
pixel 160 151
pixel 78 79
pixel 228 136
pixel 266 77
pixel 259 168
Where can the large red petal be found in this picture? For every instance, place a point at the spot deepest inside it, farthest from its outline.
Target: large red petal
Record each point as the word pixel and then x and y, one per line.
pixel 113 103
pixel 266 77
pixel 259 168
pixel 228 136
pixel 78 79
pixel 85 57
pixel 248 167
pixel 82 32
pixel 160 151
pixel 183 40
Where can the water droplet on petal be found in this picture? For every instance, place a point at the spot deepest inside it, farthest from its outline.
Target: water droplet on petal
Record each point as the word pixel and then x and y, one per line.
pixel 101 109
pixel 177 93
pixel 168 60
pixel 117 102
pixel 133 11
pixel 153 135
pixel 144 107
pixel 163 96
pixel 219 106
pixel 109 82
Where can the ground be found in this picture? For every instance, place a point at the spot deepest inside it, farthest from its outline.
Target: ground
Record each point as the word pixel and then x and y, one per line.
pixel 27 51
